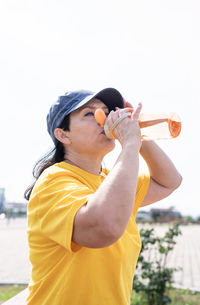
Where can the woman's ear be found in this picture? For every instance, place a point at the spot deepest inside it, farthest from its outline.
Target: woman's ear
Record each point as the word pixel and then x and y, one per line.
pixel 61 135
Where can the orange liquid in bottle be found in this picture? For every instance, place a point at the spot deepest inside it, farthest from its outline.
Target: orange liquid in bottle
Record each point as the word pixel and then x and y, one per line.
pixel 159 126
pixel 174 128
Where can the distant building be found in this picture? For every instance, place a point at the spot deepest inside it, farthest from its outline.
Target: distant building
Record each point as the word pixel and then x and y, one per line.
pixel 12 208
pixel 143 216
pixel 165 215
pixel 2 198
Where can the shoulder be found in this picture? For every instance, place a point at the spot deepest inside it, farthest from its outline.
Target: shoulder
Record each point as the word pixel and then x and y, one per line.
pixel 53 177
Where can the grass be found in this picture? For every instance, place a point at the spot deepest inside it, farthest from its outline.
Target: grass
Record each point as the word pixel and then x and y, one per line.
pixel 178 297
pixel 9 291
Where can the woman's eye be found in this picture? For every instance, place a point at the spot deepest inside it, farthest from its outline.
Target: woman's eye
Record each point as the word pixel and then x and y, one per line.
pixel 89 113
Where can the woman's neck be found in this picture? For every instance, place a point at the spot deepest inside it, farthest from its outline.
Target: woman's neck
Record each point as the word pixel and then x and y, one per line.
pixel 89 164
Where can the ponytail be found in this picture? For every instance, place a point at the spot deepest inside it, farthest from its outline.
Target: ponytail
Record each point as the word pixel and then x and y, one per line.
pixel 54 156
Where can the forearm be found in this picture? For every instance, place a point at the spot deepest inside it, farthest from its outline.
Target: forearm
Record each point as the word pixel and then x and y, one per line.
pixel 113 202
pixel 161 168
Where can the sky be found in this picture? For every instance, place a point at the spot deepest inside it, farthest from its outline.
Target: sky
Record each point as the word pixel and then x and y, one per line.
pixel 148 50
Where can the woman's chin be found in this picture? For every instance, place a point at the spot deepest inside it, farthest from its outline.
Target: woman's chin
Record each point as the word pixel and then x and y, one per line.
pixel 110 145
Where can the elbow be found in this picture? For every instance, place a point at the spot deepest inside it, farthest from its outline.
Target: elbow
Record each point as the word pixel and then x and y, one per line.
pixel 177 182
pixel 106 235
pixel 114 226
pixel 111 233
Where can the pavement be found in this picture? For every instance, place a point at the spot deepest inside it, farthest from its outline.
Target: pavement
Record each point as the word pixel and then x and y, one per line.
pixel 16 268
pixel 14 262
pixel 185 256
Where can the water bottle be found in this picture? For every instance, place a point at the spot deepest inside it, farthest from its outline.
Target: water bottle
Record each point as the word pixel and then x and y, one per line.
pixel 153 126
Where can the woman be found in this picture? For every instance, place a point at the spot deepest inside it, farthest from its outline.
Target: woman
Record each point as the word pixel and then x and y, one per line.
pixel 83 238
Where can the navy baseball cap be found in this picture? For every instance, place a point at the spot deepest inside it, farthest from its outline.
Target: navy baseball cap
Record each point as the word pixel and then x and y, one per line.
pixel 73 100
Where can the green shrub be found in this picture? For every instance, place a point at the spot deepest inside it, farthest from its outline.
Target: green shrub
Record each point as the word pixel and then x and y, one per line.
pixel 154 277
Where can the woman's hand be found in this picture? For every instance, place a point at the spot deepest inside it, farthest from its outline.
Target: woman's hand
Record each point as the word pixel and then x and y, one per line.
pixel 128 130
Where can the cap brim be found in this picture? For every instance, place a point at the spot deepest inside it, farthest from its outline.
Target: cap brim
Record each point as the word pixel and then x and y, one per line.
pixel 111 97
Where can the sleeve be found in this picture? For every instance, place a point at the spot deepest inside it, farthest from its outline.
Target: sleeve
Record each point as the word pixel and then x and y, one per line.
pixel 142 188
pixel 59 202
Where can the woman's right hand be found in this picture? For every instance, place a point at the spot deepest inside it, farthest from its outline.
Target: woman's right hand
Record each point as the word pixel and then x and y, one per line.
pixel 128 130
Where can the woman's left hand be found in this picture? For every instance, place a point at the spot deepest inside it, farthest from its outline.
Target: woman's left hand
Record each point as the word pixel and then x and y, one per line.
pixel 127 104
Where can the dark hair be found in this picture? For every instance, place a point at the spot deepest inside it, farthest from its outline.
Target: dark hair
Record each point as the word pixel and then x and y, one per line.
pixel 52 157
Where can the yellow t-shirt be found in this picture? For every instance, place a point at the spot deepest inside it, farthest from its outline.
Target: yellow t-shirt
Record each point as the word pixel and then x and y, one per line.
pixel 64 273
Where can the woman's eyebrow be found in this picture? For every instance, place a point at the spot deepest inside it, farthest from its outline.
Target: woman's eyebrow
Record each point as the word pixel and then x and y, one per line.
pixel 93 107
